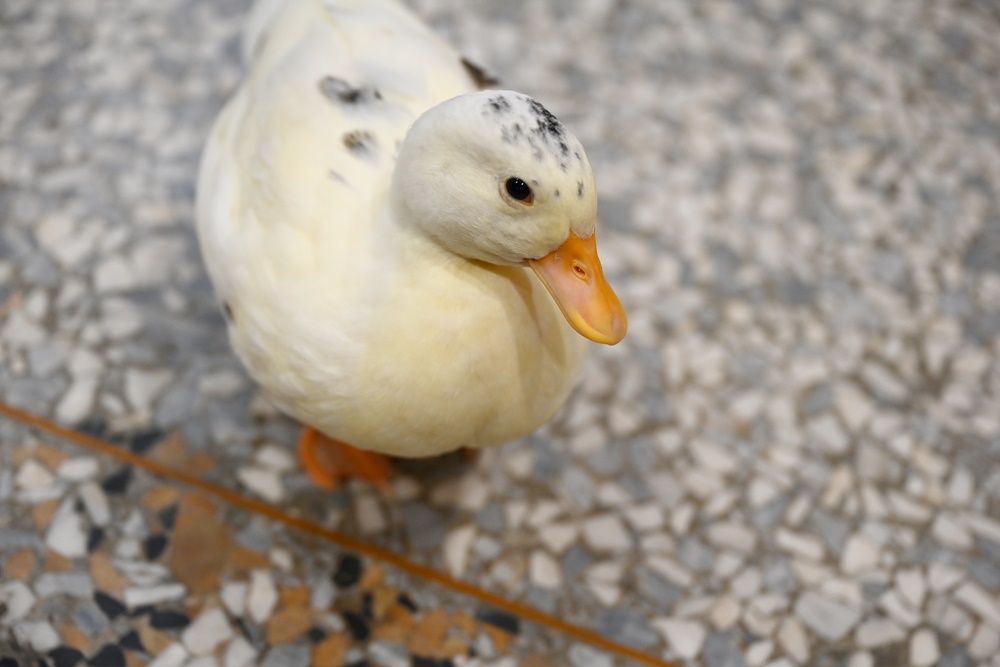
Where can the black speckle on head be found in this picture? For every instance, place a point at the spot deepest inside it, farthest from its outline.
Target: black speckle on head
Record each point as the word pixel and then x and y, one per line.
pixel 579 189
pixel 510 134
pixel 498 104
pixel 547 124
pixel 338 177
pixel 361 142
pixel 478 75
pixel 536 150
pixel 557 193
pixel 338 90
pixel 228 310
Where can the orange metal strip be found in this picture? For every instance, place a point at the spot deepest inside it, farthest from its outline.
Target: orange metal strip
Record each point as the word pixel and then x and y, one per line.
pixel 345 541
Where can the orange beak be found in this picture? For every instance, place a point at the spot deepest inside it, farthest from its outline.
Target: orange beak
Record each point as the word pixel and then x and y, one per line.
pixel 572 273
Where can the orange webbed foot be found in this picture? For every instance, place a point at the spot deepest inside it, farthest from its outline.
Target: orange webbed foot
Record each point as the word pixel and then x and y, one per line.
pixel 328 461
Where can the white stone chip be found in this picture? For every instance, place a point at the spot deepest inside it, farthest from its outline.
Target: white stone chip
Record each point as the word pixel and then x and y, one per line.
pixel 606 593
pixel 234 597
pixel 797 511
pixel 861 659
pixel 985 643
pixel 114 274
pixel 143 386
pixel 468 492
pixel 877 632
pixel 66 536
pixel 204 661
pixel 207 631
pixel 716 458
pixel 758 652
pixel 684 637
pixel 725 612
pixel 983 526
pixel 924 650
pixel 95 501
pixel 843 590
pixel 33 475
pixel 239 653
pixel 78 469
pixel 323 594
pixel 77 402
pixel 828 619
pixel 747 584
pixel 950 531
pixel 18 600
pixel 275 457
pixel 671 570
pixel 174 655
pixel 515 512
pixel 733 535
pixel 941 577
pixel 912 586
pixel 905 508
pixel 557 537
pixel 19 330
pixel 829 433
pixel 39 635
pixel 544 570
pixel 519 463
pixel 645 517
pixel 898 610
pixel 264 482
pixel 975 599
pixel 854 407
pixel 860 555
pixel 781 662
pixel 368 512
pixel 606 533
pixel 792 637
pixel 139 596
pixel 142 573
pixel 961 486
pixel 222 383
pixel 800 544
pixel 456 549
pixel 263 596
pixel 282 559
pixel 726 564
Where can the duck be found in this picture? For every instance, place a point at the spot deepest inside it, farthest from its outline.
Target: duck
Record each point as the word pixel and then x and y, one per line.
pixel 405 255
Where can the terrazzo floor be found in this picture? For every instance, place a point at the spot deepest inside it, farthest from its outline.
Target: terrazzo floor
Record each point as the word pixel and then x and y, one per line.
pixel 792 459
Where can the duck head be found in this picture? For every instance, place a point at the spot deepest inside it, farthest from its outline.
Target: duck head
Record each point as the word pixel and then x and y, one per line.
pixel 493 176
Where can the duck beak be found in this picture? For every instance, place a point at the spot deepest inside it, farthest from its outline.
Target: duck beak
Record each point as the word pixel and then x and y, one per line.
pixel 572 273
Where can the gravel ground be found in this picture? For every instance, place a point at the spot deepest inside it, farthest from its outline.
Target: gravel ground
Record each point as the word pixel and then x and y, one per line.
pixel 794 456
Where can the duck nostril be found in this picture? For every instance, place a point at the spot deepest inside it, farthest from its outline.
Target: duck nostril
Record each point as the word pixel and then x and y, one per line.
pixel 579 271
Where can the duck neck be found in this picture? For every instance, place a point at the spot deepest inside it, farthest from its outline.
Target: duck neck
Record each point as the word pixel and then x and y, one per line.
pixel 409 243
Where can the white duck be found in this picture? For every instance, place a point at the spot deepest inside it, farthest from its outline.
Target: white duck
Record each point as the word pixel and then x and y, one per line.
pixel 368 219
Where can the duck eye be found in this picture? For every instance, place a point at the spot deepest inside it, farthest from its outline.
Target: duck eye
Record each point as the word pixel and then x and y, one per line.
pixel 519 190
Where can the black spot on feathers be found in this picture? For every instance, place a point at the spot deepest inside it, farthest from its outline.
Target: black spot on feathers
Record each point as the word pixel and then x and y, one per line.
pixel 338 90
pixel 361 142
pixel 579 189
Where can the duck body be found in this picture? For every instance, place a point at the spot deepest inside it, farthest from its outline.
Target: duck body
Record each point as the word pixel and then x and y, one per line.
pixel 353 318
